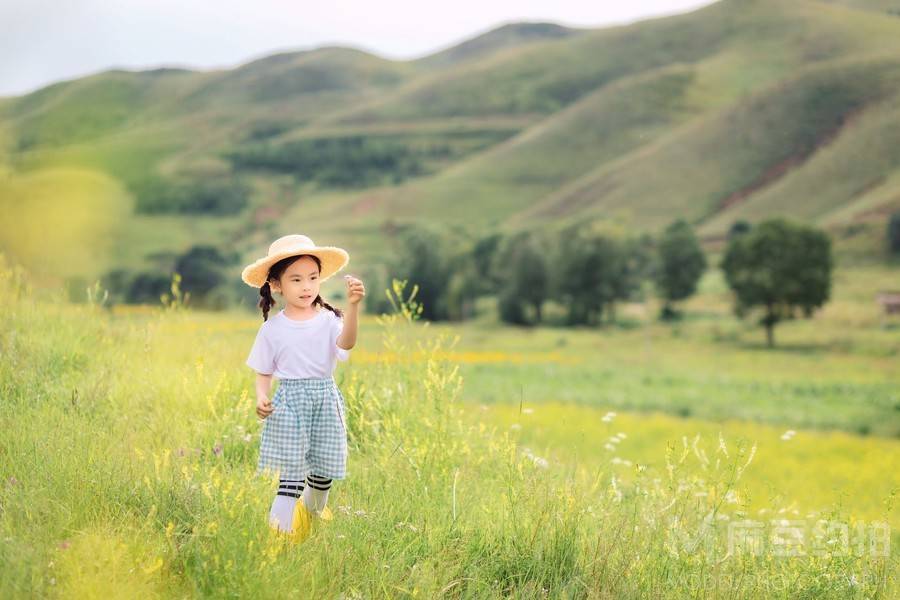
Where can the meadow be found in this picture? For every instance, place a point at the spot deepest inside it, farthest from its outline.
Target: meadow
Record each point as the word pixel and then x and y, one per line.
pixel 130 442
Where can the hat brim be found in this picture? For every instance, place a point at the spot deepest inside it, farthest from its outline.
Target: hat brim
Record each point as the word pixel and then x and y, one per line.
pixel 333 260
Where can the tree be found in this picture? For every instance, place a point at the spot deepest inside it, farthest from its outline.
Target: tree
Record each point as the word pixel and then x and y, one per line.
pixel 634 265
pixel 520 269
pixel 146 287
pixel 222 195
pixel 681 263
pixel 378 291
pixel 483 255
pixel 780 267
pixel 471 274
pixel 423 260
pixel 201 270
pixel 466 283
pixel 737 228
pixel 594 270
pixel 893 233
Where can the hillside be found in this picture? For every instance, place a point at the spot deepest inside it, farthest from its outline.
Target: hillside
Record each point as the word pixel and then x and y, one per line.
pixel 512 35
pixel 739 110
pixel 621 148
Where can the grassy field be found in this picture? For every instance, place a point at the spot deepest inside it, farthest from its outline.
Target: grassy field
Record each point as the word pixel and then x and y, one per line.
pixel 836 370
pixel 804 474
pixel 130 445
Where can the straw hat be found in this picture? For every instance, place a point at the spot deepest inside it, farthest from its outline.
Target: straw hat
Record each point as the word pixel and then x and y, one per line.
pixel 333 259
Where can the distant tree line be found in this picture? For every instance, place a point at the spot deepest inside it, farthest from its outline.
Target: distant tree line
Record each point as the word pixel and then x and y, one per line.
pixel 586 268
pixel 207 276
pixel 216 196
pixel 352 161
pixel 777 269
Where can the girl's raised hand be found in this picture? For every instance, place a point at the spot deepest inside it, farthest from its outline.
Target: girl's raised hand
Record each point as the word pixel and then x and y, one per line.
pixel 356 291
pixel 263 407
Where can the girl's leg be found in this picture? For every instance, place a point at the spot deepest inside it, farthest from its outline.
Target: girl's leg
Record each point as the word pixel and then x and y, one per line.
pixel 316 493
pixel 282 511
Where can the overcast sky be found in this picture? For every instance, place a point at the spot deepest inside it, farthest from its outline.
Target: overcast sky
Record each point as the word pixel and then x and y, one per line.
pixel 42 41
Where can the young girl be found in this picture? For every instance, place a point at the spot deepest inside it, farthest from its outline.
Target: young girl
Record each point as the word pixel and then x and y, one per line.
pixel 304 437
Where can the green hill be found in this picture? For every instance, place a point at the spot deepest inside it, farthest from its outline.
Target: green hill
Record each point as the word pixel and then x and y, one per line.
pixel 512 35
pixel 770 139
pixel 743 109
pixel 638 125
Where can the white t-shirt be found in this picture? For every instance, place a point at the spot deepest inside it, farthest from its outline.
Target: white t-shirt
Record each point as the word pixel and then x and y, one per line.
pixel 290 349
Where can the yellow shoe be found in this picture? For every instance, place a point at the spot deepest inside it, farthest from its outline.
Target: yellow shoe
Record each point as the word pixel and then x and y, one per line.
pixel 326 514
pixel 302 522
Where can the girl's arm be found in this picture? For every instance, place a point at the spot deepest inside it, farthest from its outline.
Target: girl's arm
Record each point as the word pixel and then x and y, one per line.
pixel 263 387
pixel 356 291
pixel 347 338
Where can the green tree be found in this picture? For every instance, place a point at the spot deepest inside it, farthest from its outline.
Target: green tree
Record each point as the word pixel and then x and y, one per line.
pixel 201 270
pixel 423 260
pixel 224 195
pixel 779 267
pixel 680 265
pixel 468 282
pixel 520 268
pixel 594 270
pixel 146 287
pixel 377 297
pixel 483 253
pixel 737 228
pixel 634 265
pixel 893 233
pixel 471 275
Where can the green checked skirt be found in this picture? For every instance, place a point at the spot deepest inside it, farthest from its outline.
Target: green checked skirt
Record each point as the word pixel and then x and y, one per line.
pixel 306 432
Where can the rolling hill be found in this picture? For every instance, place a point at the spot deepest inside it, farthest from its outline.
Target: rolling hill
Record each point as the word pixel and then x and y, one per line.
pixel 743 109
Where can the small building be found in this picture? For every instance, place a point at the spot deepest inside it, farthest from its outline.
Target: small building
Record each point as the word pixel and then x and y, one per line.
pixel 890 301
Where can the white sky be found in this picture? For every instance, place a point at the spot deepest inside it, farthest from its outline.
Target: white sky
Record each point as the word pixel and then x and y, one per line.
pixel 42 41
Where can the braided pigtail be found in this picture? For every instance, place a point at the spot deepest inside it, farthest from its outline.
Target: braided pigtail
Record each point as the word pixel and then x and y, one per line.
pixel 319 300
pixel 266 300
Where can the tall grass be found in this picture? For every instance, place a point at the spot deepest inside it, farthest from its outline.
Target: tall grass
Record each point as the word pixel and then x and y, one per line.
pixel 130 444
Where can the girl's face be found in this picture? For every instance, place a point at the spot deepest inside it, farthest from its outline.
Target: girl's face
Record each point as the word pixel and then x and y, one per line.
pixel 299 284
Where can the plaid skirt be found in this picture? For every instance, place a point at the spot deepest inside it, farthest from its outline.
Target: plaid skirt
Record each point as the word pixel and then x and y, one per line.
pixel 306 432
